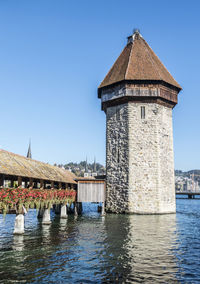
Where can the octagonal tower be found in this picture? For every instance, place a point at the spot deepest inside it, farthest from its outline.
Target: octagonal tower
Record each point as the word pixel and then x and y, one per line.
pixel 138 95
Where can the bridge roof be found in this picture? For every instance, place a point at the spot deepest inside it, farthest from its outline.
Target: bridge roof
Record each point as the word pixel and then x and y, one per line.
pixel 138 62
pixel 16 165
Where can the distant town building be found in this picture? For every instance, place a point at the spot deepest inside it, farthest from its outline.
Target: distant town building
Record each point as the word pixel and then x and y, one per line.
pixel 185 184
pixel 89 173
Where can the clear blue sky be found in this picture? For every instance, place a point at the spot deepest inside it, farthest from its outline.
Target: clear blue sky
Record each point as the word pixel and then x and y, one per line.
pixel 54 54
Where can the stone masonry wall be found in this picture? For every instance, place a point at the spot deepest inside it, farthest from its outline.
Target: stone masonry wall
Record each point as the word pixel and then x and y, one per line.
pixel 151 160
pixel 117 157
pixel 166 160
pixel 140 162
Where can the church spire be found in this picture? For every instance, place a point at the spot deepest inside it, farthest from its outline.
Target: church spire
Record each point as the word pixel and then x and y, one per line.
pixel 29 154
pixel 95 166
pixel 86 165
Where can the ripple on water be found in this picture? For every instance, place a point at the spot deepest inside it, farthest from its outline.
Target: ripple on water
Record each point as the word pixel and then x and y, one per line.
pixel 112 249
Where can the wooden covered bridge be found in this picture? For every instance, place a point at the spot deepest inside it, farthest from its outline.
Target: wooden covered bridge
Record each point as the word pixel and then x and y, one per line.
pixel 43 186
pixel 16 170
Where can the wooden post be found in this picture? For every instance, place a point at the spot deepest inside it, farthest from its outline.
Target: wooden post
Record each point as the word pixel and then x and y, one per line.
pixel 57 209
pixel 11 183
pixel 30 183
pixel 40 213
pixel 1 180
pixel 26 184
pixel 19 181
pixel 60 185
pixel 80 208
pixel 52 184
pixel 41 184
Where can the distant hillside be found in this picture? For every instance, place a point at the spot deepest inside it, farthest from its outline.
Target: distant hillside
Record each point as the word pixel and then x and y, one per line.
pixel 188 173
pixel 79 168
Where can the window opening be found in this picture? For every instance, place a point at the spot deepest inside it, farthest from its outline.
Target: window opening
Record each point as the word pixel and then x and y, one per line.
pixel 142 112
pixel 118 155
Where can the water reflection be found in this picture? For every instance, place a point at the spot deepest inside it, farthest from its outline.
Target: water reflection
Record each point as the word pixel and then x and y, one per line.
pixel 46 233
pixel 18 242
pixel 110 249
pixel 140 248
pixel 150 245
pixel 63 224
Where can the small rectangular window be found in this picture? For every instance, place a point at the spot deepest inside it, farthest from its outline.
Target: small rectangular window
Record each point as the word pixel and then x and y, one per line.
pixel 142 112
pixel 118 114
pixel 118 160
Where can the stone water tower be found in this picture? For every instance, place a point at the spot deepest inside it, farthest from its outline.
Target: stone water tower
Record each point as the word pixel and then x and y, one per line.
pixel 138 95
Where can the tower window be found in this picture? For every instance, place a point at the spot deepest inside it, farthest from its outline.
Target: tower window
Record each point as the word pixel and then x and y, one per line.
pixel 142 112
pixel 118 156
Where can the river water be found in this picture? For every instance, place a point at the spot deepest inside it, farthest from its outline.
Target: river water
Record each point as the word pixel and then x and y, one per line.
pixel 110 249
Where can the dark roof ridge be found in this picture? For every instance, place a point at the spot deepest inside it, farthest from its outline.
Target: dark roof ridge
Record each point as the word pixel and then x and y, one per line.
pixel 129 58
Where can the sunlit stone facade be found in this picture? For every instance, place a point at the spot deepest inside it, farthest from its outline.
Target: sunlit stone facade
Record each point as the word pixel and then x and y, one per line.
pixel 140 162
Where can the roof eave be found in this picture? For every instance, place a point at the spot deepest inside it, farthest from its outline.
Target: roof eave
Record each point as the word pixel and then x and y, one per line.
pixel 100 88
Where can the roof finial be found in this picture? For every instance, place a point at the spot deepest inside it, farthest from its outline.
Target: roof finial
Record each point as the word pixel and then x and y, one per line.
pixel 136 34
pixel 136 31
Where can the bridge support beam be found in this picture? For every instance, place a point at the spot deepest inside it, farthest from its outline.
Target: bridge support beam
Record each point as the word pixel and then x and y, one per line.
pixel 40 213
pixel 63 211
pixel 19 181
pixel 191 196
pixel 19 224
pixel 30 183
pixel 1 180
pixel 41 184
pixel 80 208
pixel 46 219
pixel 57 209
pixel 11 182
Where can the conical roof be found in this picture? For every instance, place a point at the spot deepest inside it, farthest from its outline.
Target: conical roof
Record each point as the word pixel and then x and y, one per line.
pixel 138 62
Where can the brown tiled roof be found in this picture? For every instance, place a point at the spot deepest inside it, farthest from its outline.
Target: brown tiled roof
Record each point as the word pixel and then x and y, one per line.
pixel 138 62
pixel 16 165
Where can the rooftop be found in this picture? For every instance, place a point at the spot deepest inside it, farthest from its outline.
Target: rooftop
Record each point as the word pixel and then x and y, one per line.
pixel 138 62
pixel 16 165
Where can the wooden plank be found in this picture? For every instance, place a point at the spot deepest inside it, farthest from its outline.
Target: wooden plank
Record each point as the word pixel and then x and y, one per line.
pixel 91 192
